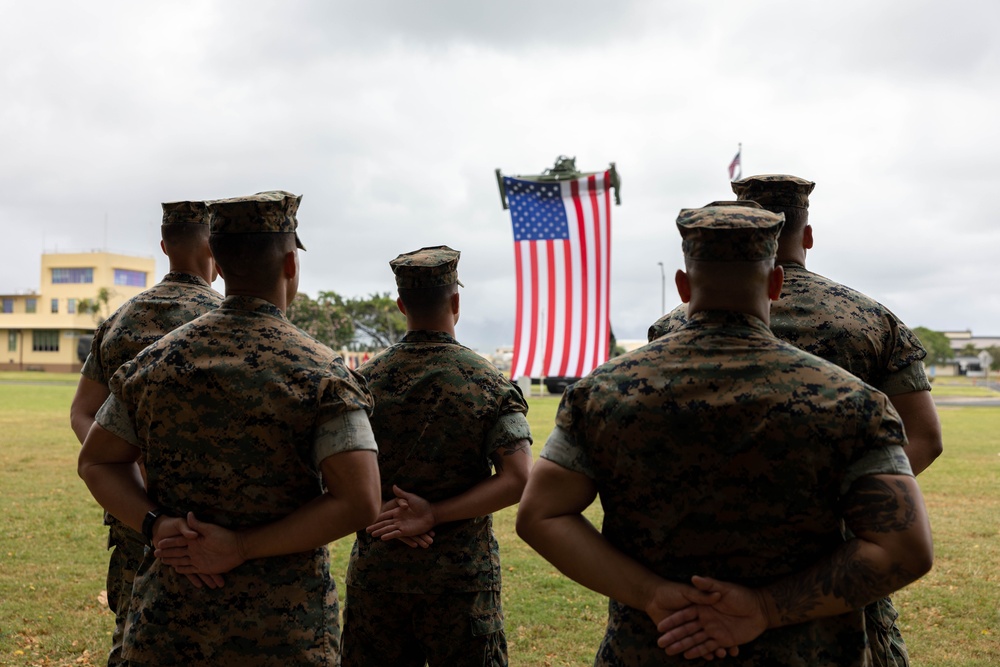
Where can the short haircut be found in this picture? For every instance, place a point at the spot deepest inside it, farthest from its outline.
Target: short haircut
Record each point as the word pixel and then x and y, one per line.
pixel 796 219
pixel 728 278
pixel 427 300
pixel 183 236
pixel 251 261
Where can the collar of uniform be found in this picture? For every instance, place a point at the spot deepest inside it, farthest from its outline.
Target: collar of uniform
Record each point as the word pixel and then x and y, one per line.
pixel 252 304
pixel 425 336
pixel 726 318
pixel 186 278
pixel 791 265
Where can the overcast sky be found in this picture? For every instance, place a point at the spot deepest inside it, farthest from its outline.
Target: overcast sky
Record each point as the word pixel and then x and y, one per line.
pixel 390 117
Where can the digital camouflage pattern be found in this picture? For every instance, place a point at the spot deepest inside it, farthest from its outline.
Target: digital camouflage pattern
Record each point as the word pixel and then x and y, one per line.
pixel 231 413
pixel 721 451
pixel 862 336
pixel 144 319
pixel 270 212
pixel 465 629
pixel 729 233
pixel 774 190
pixel 840 325
pixel 139 322
pixel 129 550
pixel 440 411
pixel 185 213
pixel 884 638
pixel 435 266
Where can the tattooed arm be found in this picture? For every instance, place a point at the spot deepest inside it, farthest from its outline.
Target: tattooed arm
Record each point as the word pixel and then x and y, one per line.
pixel 411 515
pixel 892 548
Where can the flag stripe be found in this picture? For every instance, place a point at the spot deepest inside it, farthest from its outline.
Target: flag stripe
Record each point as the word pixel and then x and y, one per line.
pixel 519 313
pixel 533 330
pixel 606 321
pixel 584 283
pixel 551 312
pixel 568 307
pixel 598 263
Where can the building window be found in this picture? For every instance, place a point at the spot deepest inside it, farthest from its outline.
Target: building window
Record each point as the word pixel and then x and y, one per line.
pixel 45 341
pixel 8 305
pixel 72 276
pixel 55 305
pixel 128 278
pixel 31 305
pixel 71 306
pixel 12 341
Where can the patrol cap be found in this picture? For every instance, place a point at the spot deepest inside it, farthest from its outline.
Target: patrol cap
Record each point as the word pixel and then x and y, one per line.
pixel 185 212
pixel 729 233
pixel 731 202
pixel 775 190
pixel 435 266
pixel 270 211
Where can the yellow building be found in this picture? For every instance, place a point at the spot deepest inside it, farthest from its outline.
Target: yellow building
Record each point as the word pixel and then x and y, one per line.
pixel 41 330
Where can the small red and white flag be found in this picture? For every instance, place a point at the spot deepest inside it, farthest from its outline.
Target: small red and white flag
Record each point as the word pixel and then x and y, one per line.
pixel 736 167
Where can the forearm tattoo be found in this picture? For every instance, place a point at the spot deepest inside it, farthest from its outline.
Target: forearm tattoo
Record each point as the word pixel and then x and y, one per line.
pixel 875 506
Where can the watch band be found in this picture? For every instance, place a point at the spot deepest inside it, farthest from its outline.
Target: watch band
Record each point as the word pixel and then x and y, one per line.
pixel 150 519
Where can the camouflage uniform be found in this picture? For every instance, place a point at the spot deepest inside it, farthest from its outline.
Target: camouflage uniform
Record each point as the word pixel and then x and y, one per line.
pixel 233 413
pixel 855 332
pixel 139 322
pixel 722 451
pixel 840 325
pixel 440 411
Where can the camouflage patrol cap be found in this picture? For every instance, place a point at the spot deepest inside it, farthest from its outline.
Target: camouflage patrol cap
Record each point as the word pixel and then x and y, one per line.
pixel 271 211
pixel 729 233
pixel 747 203
pixel 428 267
pixel 775 190
pixel 185 212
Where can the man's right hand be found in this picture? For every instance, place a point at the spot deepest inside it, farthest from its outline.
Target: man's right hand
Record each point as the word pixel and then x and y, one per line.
pixel 739 616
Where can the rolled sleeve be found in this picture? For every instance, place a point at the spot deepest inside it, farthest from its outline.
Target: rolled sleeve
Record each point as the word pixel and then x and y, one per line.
pixel 346 432
pixel 114 418
pixel 889 460
pixel 905 380
pixel 510 428
pixel 561 448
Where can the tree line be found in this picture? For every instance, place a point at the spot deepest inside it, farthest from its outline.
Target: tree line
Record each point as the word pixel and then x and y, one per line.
pixel 357 323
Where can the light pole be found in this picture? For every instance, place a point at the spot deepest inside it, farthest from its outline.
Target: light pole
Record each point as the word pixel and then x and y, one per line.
pixel 663 289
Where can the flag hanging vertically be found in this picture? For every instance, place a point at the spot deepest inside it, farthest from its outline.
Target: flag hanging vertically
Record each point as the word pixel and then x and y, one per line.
pixel 562 258
pixel 736 164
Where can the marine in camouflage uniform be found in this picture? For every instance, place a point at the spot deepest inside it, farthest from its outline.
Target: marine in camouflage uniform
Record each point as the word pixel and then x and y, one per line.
pixel 183 294
pixel 854 332
pixel 720 450
pixel 242 419
pixel 443 416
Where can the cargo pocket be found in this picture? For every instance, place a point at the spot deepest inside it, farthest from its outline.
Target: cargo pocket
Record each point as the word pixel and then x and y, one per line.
pixel 485 624
pixel 489 628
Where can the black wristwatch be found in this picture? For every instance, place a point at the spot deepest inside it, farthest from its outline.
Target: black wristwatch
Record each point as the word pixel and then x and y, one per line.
pixel 147 523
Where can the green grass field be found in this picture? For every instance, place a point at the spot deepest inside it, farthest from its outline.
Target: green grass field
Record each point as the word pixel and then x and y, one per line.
pixel 53 562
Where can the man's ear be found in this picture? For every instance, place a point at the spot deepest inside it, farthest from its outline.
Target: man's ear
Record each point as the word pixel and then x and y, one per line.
pixel 163 247
pixel 683 286
pixel 290 264
pixel 399 304
pixel 774 282
pixel 807 237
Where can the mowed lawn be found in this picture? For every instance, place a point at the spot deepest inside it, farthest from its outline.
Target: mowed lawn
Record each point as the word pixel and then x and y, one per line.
pixel 53 562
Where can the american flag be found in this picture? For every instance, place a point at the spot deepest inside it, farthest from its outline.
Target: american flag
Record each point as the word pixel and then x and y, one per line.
pixel 562 259
pixel 736 164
